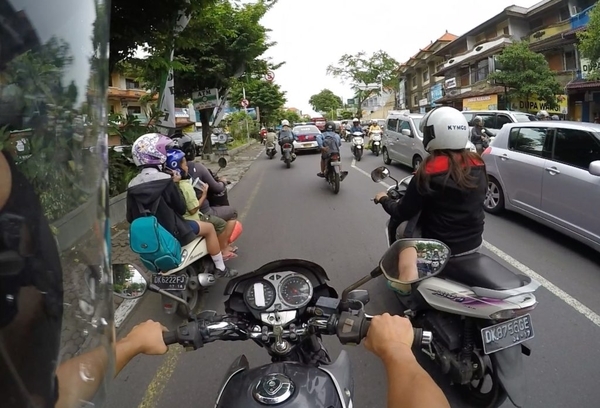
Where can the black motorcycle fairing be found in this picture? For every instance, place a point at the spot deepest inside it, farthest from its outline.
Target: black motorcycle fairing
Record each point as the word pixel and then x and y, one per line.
pixel 313 387
pixel 308 268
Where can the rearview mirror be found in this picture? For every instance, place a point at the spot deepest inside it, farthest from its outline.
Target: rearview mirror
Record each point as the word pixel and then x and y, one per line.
pixel 128 281
pixel 409 261
pixel 359 295
pixel 222 162
pixel 595 168
pixel 405 132
pixel 380 173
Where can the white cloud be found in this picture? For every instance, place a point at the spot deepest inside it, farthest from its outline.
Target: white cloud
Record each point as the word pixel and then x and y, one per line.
pixel 312 34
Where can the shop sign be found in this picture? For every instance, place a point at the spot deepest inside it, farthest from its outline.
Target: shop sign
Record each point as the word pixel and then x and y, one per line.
pixel 436 93
pixel 535 105
pixel 423 102
pixel 587 67
pixel 486 102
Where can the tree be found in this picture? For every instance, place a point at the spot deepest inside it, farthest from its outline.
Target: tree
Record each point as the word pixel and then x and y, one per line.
pixel 265 95
pixel 325 101
pixel 362 70
pixel 289 115
pixel 526 74
pixel 589 42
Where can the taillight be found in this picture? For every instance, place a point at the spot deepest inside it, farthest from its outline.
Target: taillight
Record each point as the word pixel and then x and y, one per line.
pixel 335 157
pixel 487 150
pixel 310 137
pixel 301 138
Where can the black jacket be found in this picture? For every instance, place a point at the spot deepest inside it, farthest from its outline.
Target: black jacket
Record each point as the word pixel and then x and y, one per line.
pixel 170 210
pixel 450 214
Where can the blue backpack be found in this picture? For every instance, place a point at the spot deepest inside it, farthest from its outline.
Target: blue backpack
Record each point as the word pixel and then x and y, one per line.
pixel 158 249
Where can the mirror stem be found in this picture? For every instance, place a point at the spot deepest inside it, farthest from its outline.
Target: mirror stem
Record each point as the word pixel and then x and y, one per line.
pixel 373 274
pixel 156 289
pixel 394 180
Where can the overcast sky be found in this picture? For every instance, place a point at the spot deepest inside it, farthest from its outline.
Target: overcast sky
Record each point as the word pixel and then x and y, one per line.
pixel 312 34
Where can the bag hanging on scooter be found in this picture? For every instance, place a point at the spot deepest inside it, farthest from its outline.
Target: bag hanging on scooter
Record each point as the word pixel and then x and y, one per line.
pixel 158 249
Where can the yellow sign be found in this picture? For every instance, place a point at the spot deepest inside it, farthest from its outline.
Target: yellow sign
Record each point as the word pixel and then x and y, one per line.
pixel 189 129
pixel 535 105
pixel 486 102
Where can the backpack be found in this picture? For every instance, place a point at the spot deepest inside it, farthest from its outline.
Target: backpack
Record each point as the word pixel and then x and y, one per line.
pixel 329 142
pixel 158 249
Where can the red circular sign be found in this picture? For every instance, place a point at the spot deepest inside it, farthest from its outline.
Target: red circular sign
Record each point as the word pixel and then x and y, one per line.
pixel 270 76
pixel 245 103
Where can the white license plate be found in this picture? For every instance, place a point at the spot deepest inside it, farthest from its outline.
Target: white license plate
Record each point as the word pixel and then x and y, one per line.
pixel 507 334
pixel 307 145
pixel 170 282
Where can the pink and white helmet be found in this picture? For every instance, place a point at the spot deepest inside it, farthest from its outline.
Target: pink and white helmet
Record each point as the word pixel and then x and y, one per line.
pixel 150 149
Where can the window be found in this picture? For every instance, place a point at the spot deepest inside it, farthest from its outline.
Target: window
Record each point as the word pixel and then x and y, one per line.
pixel 414 81
pixel 110 81
pixel 131 110
pixel 415 100
pixel 392 124
pixel 489 120
pixel 502 120
pixel 426 75
pixel 528 140
pixel 480 38
pixel 480 72
pixel 404 125
pixel 468 116
pixel 131 84
pixel 563 14
pixel 535 24
pixel 506 30
pixel 524 117
pixel 576 148
pixel 570 63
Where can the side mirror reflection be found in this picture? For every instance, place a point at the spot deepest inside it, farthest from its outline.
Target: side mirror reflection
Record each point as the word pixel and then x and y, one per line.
pixel 409 261
pixel 128 281
pixel 380 173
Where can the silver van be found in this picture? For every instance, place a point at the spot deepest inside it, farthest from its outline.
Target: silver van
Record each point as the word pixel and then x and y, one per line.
pixel 403 141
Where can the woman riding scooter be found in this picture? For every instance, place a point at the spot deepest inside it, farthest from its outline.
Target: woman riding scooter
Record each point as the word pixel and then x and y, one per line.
pixel 448 190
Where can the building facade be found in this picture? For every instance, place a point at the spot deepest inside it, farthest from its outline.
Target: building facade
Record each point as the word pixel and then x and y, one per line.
pixel 124 97
pixel 419 87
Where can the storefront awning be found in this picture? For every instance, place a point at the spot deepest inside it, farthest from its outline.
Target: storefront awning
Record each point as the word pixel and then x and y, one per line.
pixel 472 94
pixel 582 84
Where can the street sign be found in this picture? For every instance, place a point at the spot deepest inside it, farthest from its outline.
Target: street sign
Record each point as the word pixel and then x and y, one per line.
pixel 206 99
pixel 270 76
pixel 245 103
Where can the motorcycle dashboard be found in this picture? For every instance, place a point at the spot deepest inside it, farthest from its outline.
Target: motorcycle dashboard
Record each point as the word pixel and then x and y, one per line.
pixel 278 291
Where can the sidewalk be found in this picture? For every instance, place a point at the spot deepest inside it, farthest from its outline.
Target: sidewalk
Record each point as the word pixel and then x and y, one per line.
pixel 235 170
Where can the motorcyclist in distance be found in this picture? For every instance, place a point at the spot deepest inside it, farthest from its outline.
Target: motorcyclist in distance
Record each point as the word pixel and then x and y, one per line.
pixel 356 127
pixel 285 133
pixel 329 142
pixel 373 127
pixel 448 189
pixel 543 115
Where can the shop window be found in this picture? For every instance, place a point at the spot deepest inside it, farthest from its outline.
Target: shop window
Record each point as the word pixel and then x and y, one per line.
pixel 570 62
pixel 426 75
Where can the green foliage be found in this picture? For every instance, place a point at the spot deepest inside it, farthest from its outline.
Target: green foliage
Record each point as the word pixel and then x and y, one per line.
pixel 289 115
pixel 526 74
pixel 264 95
pixel 589 41
pixel 347 114
pixel 362 70
pixel 325 101
pixel 239 124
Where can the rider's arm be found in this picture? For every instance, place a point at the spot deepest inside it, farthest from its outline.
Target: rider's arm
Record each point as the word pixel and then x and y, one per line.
pixel 192 203
pixel 215 186
pixel 320 141
pixel 408 206
pixel 409 385
pixel 80 377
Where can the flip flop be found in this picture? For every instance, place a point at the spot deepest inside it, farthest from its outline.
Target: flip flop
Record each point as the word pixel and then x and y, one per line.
pixel 229 257
pixel 233 248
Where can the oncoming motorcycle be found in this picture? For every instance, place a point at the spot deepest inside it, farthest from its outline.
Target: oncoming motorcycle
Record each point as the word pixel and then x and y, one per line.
pixel 357 145
pixel 285 307
pixel 478 312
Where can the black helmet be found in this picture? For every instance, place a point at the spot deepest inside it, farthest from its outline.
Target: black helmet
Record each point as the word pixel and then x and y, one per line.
pixel 330 127
pixel 270 129
pixel 186 144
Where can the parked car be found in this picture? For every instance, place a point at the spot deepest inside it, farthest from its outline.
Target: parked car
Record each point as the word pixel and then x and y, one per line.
pixel 403 141
pixel 493 120
pixel 548 171
pixel 307 137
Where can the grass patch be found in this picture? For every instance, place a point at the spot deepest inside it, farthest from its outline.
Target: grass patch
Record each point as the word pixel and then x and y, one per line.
pixel 238 143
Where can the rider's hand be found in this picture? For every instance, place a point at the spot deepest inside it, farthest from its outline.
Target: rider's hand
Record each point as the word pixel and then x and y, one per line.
pixel 148 338
pixel 176 176
pixel 222 179
pixel 204 189
pixel 379 196
pixel 388 334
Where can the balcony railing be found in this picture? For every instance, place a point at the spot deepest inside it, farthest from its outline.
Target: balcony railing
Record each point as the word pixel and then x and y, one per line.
pixel 550 31
pixel 582 19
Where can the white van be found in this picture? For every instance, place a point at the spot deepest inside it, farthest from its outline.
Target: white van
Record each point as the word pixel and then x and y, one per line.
pixel 403 141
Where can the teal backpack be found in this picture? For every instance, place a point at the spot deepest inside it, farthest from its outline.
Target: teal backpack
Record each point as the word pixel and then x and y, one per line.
pixel 158 249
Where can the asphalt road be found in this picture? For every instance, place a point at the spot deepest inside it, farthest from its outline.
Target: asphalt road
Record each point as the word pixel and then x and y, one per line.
pixel 292 213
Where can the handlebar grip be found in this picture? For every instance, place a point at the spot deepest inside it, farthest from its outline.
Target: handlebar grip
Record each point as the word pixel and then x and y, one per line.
pixel 418 337
pixel 170 338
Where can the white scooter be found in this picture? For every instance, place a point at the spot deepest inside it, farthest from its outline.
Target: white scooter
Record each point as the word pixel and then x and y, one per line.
pixel 357 146
pixel 187 280
pixel 375 139
pixel 478 312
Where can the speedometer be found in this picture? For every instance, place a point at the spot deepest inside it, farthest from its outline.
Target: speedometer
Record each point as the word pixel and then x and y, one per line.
pixel 260 295
pixel 295 291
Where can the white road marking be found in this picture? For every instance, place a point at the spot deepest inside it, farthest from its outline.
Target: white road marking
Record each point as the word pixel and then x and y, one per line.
pixel 551 287
pixel 123 310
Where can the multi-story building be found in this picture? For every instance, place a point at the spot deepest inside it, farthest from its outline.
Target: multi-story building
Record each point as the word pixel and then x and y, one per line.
pixel 419 88
pixel 378 106
pixel 124 96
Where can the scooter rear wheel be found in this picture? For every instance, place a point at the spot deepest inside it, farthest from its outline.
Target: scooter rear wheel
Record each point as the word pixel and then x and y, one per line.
pixel 473 393
pixel 191 296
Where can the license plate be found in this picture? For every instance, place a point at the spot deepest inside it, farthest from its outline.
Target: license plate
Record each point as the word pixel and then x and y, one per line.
pixel 506 334
pixel 307 144
pixel 170 282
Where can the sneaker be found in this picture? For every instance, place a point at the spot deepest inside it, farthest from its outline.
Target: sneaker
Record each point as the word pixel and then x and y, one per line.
pixel 343 175
pixel 321 175
pixel 227 273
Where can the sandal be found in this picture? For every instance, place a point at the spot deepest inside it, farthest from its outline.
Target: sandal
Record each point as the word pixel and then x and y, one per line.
pixel 229 257
pixel 233 248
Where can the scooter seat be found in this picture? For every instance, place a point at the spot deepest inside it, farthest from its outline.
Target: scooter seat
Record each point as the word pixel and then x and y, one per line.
pixel 479 270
